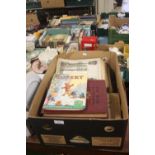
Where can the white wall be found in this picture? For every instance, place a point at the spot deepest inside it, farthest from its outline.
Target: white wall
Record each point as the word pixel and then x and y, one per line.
pixel 125 5
pixel 105 5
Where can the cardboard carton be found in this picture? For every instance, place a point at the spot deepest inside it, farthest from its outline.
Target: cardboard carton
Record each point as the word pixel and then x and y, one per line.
pixel 52 3
pixel 117 22
pixel 92 132
pixel 31 20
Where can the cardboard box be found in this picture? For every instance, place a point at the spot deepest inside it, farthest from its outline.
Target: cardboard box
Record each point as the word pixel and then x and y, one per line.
pixel 120 45
pixel 117 22
pixel 113 35
pixel 31 20
pixel 52 3
pixel 88 132
pixel 53 31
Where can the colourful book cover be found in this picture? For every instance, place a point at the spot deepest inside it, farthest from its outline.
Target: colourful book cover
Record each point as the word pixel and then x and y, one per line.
pixel 67 92
pixel 96 103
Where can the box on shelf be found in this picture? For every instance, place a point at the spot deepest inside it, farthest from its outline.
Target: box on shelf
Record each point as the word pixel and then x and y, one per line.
pixel 31 20
pixel 113 35
pixel 60 32
pixel 88 132
pixel 117 22
pixel 52 3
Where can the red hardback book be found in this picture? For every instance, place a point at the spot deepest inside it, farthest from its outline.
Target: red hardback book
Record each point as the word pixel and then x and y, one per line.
pixel 96 104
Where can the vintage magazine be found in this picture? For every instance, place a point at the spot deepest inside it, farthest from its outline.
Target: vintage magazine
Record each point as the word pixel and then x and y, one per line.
pixel 92 66
pixel 67 92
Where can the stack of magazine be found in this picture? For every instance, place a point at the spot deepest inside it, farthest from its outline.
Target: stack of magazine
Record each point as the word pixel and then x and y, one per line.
pixel 78 89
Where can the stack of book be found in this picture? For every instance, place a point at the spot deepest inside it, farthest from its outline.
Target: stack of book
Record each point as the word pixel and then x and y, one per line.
pixel 69 20
pixel 87 20
pixel 78 89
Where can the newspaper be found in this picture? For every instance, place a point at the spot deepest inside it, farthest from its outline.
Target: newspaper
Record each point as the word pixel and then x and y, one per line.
pixel 94 67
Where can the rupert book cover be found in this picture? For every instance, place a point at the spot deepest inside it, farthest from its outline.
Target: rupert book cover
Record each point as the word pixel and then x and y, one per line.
pixel 67 92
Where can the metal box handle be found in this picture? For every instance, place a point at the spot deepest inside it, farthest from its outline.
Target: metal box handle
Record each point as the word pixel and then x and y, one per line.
pixel 109 129
pixel 47 127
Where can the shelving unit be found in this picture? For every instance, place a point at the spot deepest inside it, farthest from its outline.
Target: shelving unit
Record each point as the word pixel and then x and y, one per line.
pixel 44 13
pixel 83 6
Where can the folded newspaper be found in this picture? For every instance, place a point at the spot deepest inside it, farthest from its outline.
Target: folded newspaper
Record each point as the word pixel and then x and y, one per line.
pixel 96 67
